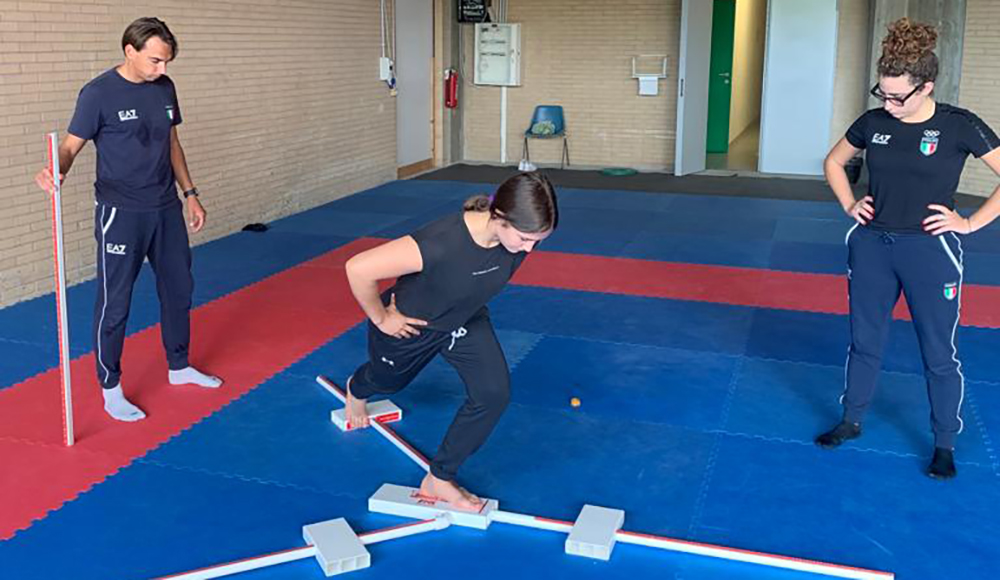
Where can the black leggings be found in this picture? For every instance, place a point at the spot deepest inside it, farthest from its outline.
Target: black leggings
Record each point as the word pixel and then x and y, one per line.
pixel 475 353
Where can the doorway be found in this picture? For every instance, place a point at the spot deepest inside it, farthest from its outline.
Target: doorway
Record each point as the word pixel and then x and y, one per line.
pixel 735 79
pixel 414 60
pixel 772 128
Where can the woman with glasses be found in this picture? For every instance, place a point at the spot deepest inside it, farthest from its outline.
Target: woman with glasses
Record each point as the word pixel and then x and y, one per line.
pixel 907 236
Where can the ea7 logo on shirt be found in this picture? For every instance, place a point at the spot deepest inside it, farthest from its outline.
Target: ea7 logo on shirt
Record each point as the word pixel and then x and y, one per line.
pixel 880 139
pixel 116 249
pixel 929 144
pixel 127 115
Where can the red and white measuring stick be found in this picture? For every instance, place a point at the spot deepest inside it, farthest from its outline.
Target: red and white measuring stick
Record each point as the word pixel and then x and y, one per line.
pixel 52 140
pixel 275 558
pixel 697 548
pixel 626 537
pixel 383 429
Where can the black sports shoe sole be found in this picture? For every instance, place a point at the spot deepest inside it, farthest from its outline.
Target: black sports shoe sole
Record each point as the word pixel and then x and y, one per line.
pixel 831 439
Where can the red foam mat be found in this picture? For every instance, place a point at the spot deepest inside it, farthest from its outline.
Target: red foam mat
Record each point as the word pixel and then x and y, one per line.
pixel 826 293
pixel 245 337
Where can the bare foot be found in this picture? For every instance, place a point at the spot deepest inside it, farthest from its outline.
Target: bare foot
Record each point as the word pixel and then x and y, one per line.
pixel 434 488
pixel 356 409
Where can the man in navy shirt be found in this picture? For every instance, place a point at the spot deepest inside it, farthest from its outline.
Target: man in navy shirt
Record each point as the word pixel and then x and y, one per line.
pixel 131 114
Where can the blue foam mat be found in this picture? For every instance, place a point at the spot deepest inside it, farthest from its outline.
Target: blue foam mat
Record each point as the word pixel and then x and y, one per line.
pixel 824 338
pixel 635 320
pixel 724 457
pixel 625 381
pixel 812 230
pixel 795 402
pixel 853 508
pixel 685 204
pixel 151 520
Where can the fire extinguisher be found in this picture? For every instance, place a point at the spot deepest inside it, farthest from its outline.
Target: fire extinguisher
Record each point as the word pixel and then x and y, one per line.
pixel 451 88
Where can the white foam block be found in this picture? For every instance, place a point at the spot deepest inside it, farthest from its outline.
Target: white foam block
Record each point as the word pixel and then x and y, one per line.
pixel 384 411
pixel 593 534
pixel 403 501
pixel 338 549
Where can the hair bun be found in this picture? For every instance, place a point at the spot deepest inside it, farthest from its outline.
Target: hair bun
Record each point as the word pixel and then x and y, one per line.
pixel 908 40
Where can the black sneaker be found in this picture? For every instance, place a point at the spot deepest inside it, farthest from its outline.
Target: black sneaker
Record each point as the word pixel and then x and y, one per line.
pixel 943 464
pixel 844 431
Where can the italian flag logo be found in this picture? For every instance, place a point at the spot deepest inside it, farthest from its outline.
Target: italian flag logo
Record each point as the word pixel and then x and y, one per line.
pixel 929 144
pixel 950 291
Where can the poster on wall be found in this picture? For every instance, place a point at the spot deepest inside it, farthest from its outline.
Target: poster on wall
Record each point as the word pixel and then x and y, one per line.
pixel 471 11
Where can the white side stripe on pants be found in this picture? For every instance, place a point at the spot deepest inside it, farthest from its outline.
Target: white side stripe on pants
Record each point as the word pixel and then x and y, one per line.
pixel 111 219
pixel 847 240
pixel 954 329
pixel 951 255
pixel 104 282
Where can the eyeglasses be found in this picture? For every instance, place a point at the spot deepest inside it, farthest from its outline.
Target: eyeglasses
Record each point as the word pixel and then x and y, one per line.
pixel 898 101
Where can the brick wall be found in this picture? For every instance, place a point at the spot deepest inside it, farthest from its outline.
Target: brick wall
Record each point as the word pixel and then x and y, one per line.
pixel 577 53
pixel 283 111
pixel 980 85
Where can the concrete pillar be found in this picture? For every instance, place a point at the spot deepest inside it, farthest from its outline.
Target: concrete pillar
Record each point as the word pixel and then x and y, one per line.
pixel 948 16
pixel 451 58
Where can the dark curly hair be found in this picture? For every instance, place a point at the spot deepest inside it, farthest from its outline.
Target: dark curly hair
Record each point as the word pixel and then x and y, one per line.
pixel 909 49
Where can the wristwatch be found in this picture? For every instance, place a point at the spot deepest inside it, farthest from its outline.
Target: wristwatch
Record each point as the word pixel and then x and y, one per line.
pixel 193 191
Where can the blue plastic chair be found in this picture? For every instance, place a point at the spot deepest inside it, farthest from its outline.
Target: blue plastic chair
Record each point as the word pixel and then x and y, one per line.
pixel 553 114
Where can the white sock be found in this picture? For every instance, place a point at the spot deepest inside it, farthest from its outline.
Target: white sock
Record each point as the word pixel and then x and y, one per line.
pixel 119 407
pixel 192 376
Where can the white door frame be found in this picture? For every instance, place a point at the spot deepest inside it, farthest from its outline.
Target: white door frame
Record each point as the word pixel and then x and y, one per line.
pixel 797 90
pixel 692 86
pixel 414 73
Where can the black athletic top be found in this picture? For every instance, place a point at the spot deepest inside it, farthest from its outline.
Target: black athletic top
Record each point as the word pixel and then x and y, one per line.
pixel 130 124
pixel 912 165
pixel 459 275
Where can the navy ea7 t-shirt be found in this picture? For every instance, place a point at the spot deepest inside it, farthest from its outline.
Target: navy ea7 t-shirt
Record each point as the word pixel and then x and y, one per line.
pixel 913 165
pixel 130 124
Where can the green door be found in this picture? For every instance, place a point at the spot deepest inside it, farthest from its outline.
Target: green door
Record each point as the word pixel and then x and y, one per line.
pixel 720 71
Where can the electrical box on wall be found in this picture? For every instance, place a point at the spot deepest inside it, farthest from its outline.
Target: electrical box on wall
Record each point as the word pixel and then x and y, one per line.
pixel 498 55
pixel 384 68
